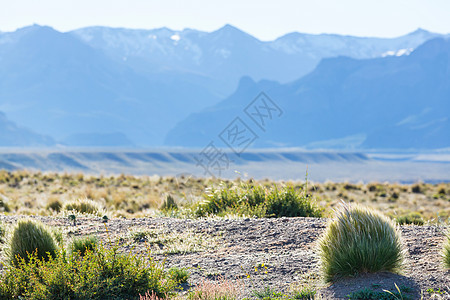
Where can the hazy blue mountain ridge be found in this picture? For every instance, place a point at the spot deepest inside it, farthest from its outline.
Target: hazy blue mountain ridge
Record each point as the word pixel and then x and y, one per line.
pixel 60 86
pixel 228 53
pixel 13 135
pixel 391 102
pixel 87 86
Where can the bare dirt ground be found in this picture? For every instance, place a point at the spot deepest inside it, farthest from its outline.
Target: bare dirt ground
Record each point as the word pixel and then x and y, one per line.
pixel 259 253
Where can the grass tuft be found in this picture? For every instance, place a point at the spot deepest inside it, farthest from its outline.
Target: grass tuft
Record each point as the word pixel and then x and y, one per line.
pixel 84 206
pixel 360 240
pixel 169 204
pixel 446 253
pixel 411 218
pixel 30 237
pixel 54 205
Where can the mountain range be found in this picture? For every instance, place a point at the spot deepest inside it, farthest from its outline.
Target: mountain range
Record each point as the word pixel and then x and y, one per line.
pixel 101 86
pixel 393 102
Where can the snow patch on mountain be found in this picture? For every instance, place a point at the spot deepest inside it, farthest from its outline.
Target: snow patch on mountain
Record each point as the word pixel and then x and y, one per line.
pixel 175 37
pixel 399 52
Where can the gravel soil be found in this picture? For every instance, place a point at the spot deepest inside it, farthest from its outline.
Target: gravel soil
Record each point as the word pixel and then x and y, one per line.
pixel 276 253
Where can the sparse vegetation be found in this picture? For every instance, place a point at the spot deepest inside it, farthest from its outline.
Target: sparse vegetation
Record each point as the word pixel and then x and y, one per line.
pixel 267 293
pixel 344 246
pixel 359 240
pixel 401 293
pixel 162 242
pixel 306 293
pixel 27 193
pixel 221 289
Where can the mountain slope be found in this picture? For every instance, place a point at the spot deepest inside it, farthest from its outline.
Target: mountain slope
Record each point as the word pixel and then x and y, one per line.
pixel 391 102
pixel 228 53
pixel 58 85
pixel 12 135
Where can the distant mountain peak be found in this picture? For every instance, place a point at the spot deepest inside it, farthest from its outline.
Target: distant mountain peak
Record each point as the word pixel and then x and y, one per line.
pixel 36 27
pixel 419 31
pixel 229 27
pixel 230 30
pixel 246 81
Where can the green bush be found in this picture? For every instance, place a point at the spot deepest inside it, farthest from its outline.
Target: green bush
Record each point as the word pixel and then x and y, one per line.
pixel 360 240
pixel 412 218
pixel 258 201
pixel 180 275
pixel 28 237
pixel 84 206
pixel 447 252
pixel 290 203
pixel 103 274
pixel 84 244
pixel 218 202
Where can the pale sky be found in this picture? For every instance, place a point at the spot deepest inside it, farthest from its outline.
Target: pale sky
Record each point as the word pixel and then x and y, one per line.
pixel 264 19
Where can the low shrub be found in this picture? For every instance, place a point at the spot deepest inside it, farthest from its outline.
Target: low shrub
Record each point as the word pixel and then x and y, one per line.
pixel 411 218
pixel 258 201
pixel 84 244
pixel 360 240
pixel 29 237
pixel 217 202
pixel 180 275
pixel 290 203
pixel 103 274
pixel 84 206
